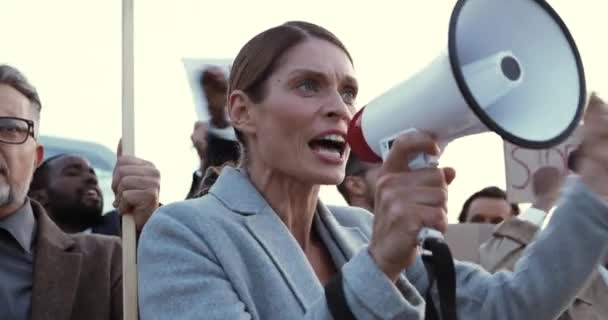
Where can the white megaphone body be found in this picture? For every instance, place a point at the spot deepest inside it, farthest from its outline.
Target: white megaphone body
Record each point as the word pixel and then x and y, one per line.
pixel 511 67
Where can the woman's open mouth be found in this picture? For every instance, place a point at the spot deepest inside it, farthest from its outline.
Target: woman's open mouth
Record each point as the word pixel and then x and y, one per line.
pixel 329 147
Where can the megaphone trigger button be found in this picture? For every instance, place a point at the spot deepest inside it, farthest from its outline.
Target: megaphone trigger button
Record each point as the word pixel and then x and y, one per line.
pixel 422 161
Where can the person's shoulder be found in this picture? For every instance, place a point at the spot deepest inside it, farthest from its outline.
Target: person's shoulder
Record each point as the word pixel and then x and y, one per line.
pixel 207 205
pixel 206 212
pixel 99 255
pixel 109 224
pixel 92 244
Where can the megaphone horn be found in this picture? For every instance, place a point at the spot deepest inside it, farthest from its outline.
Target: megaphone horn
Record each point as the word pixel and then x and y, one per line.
pixel 510 67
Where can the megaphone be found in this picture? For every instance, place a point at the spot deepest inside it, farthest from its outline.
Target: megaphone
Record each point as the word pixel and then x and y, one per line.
pixel 511 67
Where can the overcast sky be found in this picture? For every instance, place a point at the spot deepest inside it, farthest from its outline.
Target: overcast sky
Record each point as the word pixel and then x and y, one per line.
pixel 70 49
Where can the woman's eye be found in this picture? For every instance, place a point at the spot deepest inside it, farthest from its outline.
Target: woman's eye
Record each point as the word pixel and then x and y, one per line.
pixel 308 86
pixel 349 96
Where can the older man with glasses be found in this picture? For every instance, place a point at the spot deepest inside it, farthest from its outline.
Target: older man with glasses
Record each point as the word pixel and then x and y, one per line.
pixel 44 272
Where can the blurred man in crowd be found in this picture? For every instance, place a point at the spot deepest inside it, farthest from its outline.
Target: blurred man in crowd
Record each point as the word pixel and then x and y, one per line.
pixel 546 186
pixel 214 141
pixel 488 205
pixel 359 185
pixel 67 187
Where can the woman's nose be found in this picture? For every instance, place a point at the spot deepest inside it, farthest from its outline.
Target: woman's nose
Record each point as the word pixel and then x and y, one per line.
pixel 338 109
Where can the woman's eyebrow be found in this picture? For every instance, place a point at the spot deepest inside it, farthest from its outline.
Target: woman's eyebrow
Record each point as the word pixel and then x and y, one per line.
pixel 312 72
pixel 350 80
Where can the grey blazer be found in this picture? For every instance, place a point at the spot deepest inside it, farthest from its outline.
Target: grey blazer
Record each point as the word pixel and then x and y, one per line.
pixel 228 256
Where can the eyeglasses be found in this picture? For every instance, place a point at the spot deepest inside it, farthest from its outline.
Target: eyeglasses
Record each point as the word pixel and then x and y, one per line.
pixel 15 130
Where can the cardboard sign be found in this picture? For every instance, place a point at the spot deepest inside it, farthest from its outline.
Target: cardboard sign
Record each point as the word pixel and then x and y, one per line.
pixel 194 69
pixel 464 240
pixel 521 163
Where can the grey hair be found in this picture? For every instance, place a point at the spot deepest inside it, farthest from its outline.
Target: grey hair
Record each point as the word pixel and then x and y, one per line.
pixel 14 78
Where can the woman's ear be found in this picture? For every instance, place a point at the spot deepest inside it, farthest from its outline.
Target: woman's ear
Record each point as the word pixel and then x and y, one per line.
pixel 242 113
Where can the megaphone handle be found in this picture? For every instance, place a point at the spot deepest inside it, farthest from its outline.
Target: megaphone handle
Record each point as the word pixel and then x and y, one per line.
pixel 421 161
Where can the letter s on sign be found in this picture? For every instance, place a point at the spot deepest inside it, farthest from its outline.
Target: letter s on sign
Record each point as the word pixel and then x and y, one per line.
pixel 525 166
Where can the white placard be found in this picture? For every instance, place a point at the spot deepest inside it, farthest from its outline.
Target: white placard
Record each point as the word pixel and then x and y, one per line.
pixel 194 68
pixel 521 163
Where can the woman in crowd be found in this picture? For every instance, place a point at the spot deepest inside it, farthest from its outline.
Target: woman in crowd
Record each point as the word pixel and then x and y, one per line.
pixel 260 244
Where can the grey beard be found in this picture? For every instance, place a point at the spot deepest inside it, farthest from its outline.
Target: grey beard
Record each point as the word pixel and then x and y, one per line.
pixel 5 195
pixel 12 194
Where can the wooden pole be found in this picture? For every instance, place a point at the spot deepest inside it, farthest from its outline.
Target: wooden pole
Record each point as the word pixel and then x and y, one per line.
pixel 129 244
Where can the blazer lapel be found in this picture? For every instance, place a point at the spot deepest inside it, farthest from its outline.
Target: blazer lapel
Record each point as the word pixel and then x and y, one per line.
pixel 286 255
pixel 236 192
pixel 56 271
pixel 349 239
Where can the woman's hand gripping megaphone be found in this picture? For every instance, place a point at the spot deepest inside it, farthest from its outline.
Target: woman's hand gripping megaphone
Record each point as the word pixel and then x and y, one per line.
pixel 419 161
pixel 407 200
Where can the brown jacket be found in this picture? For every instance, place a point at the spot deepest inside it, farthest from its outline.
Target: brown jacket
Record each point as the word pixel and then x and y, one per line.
pixel 507 244
pixel 75 276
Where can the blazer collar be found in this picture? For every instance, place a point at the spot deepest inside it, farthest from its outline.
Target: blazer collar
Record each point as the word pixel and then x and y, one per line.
pixel 234 189
pixel 57 266
pixel 286 254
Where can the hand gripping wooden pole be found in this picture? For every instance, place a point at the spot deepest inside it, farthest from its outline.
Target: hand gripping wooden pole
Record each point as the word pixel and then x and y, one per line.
pixel 129 244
